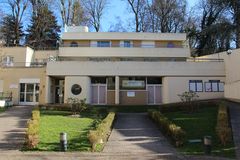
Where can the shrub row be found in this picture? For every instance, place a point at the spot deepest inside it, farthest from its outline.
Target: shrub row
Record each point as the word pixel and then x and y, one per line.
pixel 174 132
pixel 223 128
pixel 32 133
pixel 102 132
pixel 173 107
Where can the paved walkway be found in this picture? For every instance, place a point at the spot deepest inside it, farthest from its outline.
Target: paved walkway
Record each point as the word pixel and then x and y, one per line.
pixel 234 109
pixel 13 127
pixel 135 134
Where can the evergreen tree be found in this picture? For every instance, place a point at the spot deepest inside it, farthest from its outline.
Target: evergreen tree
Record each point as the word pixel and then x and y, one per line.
pixel 44 31
pixel 11 31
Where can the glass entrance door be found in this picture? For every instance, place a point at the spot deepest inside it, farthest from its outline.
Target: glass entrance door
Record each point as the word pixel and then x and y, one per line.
pixel 29 93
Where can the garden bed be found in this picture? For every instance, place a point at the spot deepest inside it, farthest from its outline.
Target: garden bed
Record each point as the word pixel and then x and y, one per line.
pixel 198 124
pixel 53 122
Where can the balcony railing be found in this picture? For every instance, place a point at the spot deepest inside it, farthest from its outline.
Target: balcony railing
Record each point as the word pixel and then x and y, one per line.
pixel 23 64
pixel 123 46
pixel 6 96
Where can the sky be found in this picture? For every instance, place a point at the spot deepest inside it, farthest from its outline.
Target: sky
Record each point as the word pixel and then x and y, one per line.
pixel 118 8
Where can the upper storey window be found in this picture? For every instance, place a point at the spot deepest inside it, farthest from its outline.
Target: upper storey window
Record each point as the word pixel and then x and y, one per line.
pixel 74 44
pixel 170 45
pixel 127 44
pixel 103 44
pixel 8 61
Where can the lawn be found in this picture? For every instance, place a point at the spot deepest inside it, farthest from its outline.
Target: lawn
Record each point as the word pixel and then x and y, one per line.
pixel 54 122
pixel 197 125
pixel 2 109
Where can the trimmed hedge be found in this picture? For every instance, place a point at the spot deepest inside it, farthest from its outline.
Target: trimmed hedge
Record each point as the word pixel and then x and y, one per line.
pixel 32 133
pixel 223 128
pixel 174 132
pixel 99 136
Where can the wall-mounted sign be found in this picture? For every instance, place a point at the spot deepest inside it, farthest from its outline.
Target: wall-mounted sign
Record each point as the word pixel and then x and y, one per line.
pixel 76 89
pixel 133 84
pixel 13 86
pixel 130 94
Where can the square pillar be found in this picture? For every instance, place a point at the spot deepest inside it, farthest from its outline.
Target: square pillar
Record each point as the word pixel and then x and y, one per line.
pixel 116 90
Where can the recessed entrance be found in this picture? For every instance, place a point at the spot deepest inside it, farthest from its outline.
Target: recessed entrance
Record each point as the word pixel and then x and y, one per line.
pixel 29 93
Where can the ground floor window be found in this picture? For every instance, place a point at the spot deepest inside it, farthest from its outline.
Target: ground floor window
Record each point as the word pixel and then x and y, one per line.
pixel 214 86
pixel 196 85
pixel 132 83
pixel 29 92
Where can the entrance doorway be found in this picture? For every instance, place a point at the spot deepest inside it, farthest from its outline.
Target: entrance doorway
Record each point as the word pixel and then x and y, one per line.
pixel 154 94
pixel 99 94
pixel 29 93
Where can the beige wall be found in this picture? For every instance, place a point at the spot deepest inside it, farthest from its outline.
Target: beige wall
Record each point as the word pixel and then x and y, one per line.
pixel 123 52
pixel 232 86
pixel 123 36
pixel 42 55
pixel 172 86
pixel 83 81
pixel 136 68
pixel 139 99
pixel 19 54
pixel 11 77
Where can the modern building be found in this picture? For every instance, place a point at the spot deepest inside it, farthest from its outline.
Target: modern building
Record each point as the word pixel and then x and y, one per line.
pixel 110 69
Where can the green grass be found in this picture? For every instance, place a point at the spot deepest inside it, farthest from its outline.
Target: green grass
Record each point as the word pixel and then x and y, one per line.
pixel 197 125
pixel 2 109
pixel 54 122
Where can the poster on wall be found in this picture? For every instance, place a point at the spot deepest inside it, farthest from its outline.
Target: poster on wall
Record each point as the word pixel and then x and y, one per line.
pixel 131 94
pixel 133 84
pixel 13 86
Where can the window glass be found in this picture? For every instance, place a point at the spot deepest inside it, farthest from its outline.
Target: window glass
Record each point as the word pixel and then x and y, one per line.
pixel 111 83
pixel 154 80
pixel 103 43
pixel 215 87
pixel 221 87
pixel 170 45
pixel 74 44
pixel 98 80
pixel 199 87
pixel 127 44
pixel 208 87
pixel 195 85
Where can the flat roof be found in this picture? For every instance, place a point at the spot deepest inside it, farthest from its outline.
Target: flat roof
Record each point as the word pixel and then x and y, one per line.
pixel 123 36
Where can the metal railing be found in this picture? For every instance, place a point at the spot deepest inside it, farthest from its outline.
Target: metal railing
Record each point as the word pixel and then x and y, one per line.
pixel 123 46
pixel 6 96
pixel 23 64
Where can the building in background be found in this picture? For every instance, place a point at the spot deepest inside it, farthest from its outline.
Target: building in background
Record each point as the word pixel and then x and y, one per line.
pixel 111 69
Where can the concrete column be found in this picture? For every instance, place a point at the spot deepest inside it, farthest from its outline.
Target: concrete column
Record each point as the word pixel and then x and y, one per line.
pixel 116 90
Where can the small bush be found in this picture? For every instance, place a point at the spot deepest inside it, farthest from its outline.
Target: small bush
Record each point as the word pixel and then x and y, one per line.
pixel 102 132
pixel 174 132
pixel 32 133
pixel 223 128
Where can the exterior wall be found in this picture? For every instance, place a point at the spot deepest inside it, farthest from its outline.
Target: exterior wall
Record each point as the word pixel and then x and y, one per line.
pixel 172 86
pixel 19 54
pixel 135 68
pixel 83 81
pixel 232 86
pixel 43 55
pixel 123 52
pixel 140 98
pixel 162 44
pixel 12 76
pixel 111 97
pixel 124 36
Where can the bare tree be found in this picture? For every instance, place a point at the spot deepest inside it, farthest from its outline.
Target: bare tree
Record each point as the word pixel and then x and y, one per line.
pixel 95 10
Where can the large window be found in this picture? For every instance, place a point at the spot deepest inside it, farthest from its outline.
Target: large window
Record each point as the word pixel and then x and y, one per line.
pixel 111 83
pixel 214 86
pixel 127 44
pixel 196 85
pixel 103 44
pixel 133 83
pixel 29 92
pixel 98 80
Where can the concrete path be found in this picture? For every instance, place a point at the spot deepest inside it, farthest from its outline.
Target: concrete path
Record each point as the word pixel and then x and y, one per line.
pixel 13 127
pixel 135 134
pixel 234 109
